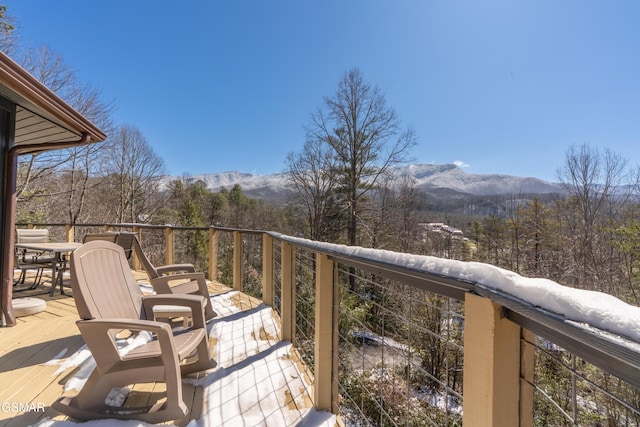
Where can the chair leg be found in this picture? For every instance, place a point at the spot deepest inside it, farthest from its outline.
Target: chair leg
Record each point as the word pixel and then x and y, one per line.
pixel 95 391
pixel 90 404
pixel 208 308
pixel 40 275
pixel 203 362
pixel 38 278
pixel 20 278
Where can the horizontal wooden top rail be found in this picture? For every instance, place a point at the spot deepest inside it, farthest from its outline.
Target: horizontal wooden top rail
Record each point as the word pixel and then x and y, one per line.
pixel 146 226
pixel 190 228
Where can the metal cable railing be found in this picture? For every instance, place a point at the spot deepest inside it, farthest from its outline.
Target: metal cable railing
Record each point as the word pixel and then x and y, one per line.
pixel 277 276
pixel 400 354
pixel 252 264
pixel 305 306
pixel 368 389
pixel 569 391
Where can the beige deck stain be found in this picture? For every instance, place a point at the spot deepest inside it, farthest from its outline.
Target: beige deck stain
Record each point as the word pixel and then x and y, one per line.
pixel 212 345
pixel 265 336
pixel 291 403
pixel 244 302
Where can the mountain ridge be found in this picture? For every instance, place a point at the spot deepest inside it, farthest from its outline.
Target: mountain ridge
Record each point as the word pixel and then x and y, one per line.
pixel 426 177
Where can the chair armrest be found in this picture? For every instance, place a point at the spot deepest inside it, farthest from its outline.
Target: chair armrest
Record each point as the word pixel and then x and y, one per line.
pixel 99 335
pixel 195 303
pixel 164 269
pixel 161 284
pixel 119 324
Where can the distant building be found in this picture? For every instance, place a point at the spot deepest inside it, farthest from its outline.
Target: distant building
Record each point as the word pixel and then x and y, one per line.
pixel 442 228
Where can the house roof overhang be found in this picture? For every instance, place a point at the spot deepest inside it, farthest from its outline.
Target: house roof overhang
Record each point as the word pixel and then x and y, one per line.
pixel 43 121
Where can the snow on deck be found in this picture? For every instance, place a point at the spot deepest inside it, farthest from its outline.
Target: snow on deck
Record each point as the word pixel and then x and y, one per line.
pixel 256 381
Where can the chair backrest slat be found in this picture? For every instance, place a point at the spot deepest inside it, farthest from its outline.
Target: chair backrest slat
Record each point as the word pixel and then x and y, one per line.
pixel 146 263
pixel 126 240
pixel 109 237
pixel 32 235
pixel 103 283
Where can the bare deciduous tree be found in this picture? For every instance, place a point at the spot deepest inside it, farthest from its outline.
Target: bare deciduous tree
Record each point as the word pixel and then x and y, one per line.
pixel 67 173
pixel 364 137
pixel 594 180
pixel 592 177
pixel 133 172
pixel 311 173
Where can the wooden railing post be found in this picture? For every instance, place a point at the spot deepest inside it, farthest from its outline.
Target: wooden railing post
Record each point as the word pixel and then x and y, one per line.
pixel 169 245
pixel 326 336
pixel 491 365
pixel 135 261
pixel 237 261
pixel 267 269
pixel 527 369
pixel 69 233
pixel 213 254
pixel 288 292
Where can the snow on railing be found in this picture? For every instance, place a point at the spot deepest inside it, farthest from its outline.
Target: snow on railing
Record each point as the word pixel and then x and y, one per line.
pixel 583 337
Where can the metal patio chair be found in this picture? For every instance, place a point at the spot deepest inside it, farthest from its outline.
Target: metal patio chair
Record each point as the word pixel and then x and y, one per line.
pixel 24 266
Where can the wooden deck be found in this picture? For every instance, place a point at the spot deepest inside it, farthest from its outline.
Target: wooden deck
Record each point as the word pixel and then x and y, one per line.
pixel 26 348
pixel 33 372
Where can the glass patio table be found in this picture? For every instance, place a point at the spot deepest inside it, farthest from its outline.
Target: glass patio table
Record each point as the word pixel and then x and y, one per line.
pixel 58 249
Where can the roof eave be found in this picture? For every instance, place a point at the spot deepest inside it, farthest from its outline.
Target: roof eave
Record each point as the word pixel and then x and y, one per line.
pixel 27 91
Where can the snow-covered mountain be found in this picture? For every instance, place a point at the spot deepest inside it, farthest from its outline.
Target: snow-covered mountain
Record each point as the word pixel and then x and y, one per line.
pixel 269 187
pixel 425 176
pixel 451 177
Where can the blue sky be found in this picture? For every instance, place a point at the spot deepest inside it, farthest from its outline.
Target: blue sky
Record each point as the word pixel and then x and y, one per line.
pixel 499 86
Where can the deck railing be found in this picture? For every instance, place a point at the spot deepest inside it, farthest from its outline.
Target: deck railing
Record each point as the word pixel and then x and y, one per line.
pixel 389 344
